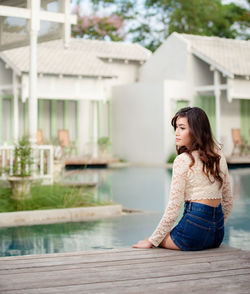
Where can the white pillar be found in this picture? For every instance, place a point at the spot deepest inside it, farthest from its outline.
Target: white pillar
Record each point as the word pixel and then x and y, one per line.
pixel 67 23
pixel 95 129
pixel 34 28
pixel 217 93
pixel 16 111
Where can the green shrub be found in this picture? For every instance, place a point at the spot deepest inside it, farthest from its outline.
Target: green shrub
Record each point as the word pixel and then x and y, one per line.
pixel 171 158
pixel 50 197
pixel 104 141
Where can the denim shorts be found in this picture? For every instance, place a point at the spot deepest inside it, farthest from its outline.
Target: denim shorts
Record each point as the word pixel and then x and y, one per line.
pixel 201 227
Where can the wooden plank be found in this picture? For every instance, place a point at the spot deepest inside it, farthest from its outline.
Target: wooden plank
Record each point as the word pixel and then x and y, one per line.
pixel 118 252
pixel 98 261
pixel 87 263
pixel 106 255
pixel 146 261
pixel 127 271
pixel 222 248
pixel 95 275
pixel 176 284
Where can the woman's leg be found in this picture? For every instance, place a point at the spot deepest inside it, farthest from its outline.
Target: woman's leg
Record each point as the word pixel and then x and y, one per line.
pixel 168 243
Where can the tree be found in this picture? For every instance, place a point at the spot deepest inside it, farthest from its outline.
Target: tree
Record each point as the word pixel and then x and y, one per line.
pixel 150 22
pixel 103 26
pixel 100 28
pixel 199 17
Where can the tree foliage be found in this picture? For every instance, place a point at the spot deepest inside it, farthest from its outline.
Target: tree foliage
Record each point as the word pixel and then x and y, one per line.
pixel 199 17
pixel 100 28
pixel 150 22
pixel 103 26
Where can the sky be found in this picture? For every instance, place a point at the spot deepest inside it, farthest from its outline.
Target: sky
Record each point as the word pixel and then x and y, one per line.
pixel 85 5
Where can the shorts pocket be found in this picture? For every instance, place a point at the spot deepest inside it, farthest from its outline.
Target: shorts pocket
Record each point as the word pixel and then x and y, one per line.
pixel 198 225
pixel 196 235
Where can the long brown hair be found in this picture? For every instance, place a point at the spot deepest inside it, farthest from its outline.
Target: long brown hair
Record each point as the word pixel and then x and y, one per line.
pixel 202 141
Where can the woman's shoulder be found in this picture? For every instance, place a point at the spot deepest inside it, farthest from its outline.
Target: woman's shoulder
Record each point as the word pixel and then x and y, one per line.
pixel 181 164
pixel 182 159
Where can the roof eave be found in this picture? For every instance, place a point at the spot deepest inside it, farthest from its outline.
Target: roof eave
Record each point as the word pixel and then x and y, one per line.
pixel 74 75
pixel 10 64
pixel 213 64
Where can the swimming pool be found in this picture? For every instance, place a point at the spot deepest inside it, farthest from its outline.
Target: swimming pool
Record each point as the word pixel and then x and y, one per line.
pixel 141 188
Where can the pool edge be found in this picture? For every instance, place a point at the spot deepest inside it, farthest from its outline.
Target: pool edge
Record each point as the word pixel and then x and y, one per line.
pixel 35 217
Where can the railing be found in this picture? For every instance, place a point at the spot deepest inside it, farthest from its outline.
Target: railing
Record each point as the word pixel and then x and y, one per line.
pixel 42 168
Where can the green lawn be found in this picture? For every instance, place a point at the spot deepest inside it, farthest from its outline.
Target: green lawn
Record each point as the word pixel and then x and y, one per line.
pixel 50 197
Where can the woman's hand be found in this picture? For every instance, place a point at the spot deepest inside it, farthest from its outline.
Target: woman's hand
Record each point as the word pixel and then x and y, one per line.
pixel 143 244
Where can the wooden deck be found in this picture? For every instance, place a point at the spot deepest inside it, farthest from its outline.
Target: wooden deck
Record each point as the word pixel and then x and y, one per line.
pixel 80 161
pixel 238 160
pixel 223 270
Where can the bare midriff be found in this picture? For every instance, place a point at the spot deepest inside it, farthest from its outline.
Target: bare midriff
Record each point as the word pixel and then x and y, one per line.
pixel 210 202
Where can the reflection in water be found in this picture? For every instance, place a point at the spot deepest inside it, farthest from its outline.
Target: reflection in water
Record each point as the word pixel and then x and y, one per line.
pixel 238 226
pixel 133 187
pixel 63 237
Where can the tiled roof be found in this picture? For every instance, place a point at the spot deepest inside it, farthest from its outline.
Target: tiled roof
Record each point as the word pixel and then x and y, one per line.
pixel 83 57
pixel 231 55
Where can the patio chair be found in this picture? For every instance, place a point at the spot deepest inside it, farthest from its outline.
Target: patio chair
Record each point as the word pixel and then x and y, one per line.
pixel 64 140
pixel 237 140
pixel 39 137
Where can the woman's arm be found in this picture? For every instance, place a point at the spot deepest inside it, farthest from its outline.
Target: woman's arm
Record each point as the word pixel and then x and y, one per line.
pixel 227 197
pixel 180 168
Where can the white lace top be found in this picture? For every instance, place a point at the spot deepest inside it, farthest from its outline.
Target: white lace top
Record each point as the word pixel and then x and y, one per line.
pixel 192 184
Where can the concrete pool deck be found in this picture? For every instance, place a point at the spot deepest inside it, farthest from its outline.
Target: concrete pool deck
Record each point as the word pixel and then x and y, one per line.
pixel 34 217
pixel 222 270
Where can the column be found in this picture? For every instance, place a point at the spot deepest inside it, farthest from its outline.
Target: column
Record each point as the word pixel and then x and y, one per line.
pixel 110 123
pixel 53 131
pixel 66 115
pixel 217 93
pixel 34 28
pixel 16 111
pixel 78 147
pixel 67 24
pixel 100 118
pixel 95 129
pixel 40 113
pixel 1 119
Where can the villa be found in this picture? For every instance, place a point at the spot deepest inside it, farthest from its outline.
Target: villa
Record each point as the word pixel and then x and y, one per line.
pixel 209 72
pixel 74 86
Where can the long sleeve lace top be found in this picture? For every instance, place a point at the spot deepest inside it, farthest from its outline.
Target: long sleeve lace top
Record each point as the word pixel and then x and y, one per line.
pixel 192 184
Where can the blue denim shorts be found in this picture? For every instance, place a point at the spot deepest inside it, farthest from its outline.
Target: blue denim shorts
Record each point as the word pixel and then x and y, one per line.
pixel 201 227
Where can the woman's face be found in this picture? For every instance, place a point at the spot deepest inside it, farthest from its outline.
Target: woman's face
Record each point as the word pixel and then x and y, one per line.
pixel 182 134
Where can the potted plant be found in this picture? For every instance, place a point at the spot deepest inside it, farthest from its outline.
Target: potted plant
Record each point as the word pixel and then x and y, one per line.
pixel 103 144
pixel 20 178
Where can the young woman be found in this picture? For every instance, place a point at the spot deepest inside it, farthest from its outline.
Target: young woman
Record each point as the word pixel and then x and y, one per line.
pixel 200 179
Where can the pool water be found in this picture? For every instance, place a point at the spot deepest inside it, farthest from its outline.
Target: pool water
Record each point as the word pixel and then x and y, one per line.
pixel 145 189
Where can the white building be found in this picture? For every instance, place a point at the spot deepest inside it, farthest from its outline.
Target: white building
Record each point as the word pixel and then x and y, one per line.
pixel 73 88
pixel 209 72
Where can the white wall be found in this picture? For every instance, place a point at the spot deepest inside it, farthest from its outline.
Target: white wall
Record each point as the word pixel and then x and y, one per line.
pixel 169 61
pixel 65 88
pixel 200 72
pixel 138 123
pixel 5 74
pixel 83 126
pixel 127 72
pixel 230 119
pixel 53 87
pixel 173 90
pixel 239 89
